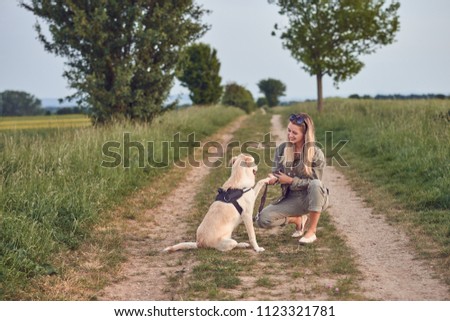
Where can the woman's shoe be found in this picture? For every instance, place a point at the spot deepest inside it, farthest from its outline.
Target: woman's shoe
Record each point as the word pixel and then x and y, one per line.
pixel 308 240
pixel 301 231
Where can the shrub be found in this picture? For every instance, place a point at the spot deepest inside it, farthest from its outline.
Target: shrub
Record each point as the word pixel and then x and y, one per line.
pixel 239 96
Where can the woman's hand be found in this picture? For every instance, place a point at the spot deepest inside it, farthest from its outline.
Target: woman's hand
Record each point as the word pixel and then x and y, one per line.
pixel 283 178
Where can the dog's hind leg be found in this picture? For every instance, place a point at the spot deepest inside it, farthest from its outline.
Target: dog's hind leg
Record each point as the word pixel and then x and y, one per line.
pixel 243 245
pixel 181 246
pixel 229 244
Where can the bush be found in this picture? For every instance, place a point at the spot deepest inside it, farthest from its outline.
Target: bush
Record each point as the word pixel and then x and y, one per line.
pixel 239 96
pixel 262 101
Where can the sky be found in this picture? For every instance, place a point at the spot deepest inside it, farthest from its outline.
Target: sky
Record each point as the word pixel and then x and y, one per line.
pixel 240 30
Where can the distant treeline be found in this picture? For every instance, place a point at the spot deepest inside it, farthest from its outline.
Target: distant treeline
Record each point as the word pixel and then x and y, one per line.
pixel 400 97
pixel 20 103
pixel 65 110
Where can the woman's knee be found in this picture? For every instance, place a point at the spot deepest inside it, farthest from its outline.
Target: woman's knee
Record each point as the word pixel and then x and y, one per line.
pixel 314 185
pixel 267 219
pixel 317 196
pixel 263 221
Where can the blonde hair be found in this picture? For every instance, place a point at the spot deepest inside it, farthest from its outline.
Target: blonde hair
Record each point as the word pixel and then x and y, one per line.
pixel 309 150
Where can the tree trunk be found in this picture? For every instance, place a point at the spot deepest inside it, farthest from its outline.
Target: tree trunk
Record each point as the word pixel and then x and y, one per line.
pixel 319 93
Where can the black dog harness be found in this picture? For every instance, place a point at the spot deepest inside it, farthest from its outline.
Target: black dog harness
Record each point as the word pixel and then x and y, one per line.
pixel 231 195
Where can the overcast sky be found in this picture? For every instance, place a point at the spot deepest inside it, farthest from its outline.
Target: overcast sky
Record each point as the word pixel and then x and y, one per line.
pixel 417 63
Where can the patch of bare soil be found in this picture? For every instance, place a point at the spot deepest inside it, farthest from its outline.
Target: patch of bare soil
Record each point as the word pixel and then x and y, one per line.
pixel 144 274
pixel 390 268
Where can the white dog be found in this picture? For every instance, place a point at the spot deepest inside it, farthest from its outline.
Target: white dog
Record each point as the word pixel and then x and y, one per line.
pixel 223 215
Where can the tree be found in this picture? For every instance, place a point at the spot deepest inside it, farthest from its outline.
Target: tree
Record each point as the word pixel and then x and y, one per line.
pixel 328 36
pixel 121 55
pixel 199 72
pixel 272 89
pixel 237 95
pixel 19 103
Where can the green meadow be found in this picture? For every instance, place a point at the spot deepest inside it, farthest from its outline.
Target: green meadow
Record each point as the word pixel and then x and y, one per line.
pixel 54 191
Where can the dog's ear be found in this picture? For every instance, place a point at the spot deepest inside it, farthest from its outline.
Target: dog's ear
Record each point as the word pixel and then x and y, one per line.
pixel 233 160
pixel 249 159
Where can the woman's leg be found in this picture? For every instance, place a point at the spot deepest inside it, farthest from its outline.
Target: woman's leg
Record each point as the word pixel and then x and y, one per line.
pixel 317 200
pixel 297 220
pixel 300 222
pixel 314 219
pixel 292 209
pixel 271 216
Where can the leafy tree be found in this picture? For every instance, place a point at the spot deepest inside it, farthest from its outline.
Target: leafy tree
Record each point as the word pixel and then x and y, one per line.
pixel 19 103
pixel 199 72
pixel 272 89
pixel 239 96
pixel 327 36
pixel 121 54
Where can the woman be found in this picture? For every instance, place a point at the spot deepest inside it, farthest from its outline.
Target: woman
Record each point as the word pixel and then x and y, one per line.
pixel 298 167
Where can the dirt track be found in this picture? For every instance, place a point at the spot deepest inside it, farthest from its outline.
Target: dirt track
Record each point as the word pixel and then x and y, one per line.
pixel 391 272
pixel 163 227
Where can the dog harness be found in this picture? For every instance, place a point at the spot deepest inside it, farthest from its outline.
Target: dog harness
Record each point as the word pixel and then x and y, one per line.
pixel 231 195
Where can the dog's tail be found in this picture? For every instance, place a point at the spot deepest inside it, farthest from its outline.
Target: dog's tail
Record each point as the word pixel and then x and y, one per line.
pixel 181 246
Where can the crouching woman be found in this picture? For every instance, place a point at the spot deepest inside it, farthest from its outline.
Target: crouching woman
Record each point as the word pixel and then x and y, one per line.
pixel 298 168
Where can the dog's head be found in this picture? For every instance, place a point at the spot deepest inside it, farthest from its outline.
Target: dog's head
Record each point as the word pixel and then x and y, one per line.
pixel 243 172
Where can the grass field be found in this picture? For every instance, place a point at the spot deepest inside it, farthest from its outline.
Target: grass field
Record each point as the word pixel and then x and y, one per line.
pixel 54 189
pixel 42 122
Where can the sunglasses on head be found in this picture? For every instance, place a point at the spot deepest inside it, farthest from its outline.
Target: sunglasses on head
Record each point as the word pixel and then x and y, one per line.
pixel 298 120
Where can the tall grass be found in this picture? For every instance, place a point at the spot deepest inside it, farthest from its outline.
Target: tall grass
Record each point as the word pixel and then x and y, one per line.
pixel 402 146
pixel 400 150
pixel 53 188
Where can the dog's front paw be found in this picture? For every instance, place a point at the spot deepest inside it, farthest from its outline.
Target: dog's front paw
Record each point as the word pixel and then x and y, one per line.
pixel 268 179
pixel 259 249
